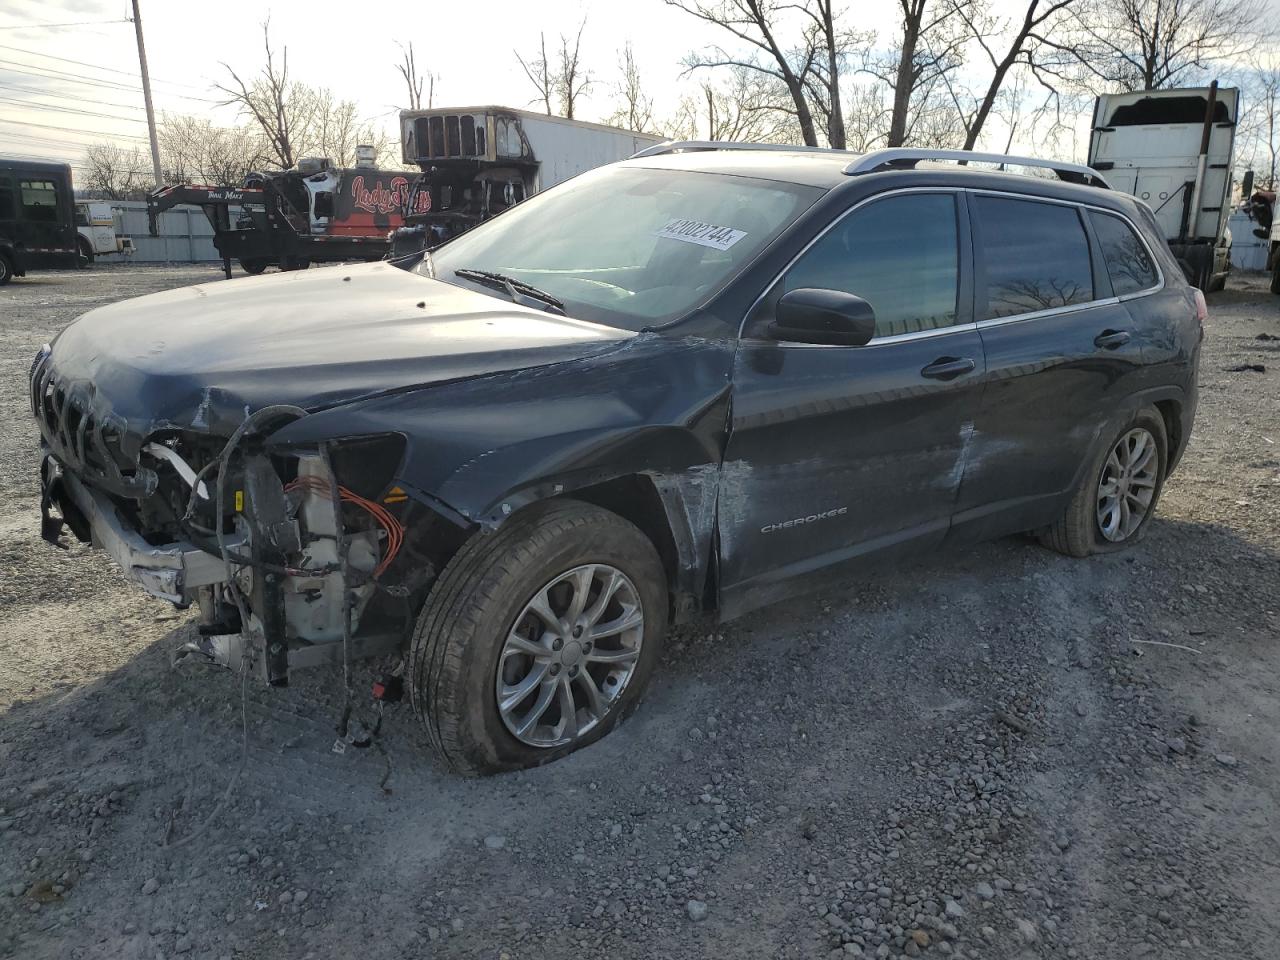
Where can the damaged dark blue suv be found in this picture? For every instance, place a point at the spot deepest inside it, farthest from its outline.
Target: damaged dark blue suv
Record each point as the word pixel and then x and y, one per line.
pixel 698 381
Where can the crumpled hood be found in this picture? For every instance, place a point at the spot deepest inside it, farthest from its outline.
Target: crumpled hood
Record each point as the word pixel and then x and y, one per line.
pixel 196 355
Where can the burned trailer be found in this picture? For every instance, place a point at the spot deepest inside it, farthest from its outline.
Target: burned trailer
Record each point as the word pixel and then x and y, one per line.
pixel 314 213
pixel 479 161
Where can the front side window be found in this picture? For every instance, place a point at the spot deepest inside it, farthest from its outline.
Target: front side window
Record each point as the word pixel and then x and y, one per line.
pixel 628 246
pixel 7 211
pixel 1128 261
pixel 900 254
pixel 39 201
pixel 1036 256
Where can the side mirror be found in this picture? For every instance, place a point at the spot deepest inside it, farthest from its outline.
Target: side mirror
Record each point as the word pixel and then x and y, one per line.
pixel 810 315
pixel 324 204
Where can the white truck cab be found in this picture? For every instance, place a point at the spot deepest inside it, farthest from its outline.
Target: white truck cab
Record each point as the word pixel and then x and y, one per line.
pixel 98 231
pixel 1173 150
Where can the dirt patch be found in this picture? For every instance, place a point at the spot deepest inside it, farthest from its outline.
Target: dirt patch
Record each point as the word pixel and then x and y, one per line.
pixel 1001 753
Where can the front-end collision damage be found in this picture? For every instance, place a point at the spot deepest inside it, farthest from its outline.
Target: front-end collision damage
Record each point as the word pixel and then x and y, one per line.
pixel 489 447
pixel 246 527
pixel 249 531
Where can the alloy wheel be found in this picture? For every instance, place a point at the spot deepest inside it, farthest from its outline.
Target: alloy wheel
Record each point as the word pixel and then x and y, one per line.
pixel 569 655
pixel 1127 485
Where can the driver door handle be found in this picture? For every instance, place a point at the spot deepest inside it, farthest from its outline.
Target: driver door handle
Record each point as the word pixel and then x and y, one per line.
pixel 1110 339
pixel 948 368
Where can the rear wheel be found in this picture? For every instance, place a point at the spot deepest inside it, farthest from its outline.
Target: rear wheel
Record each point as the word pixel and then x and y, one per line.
pixel 1117 493
pixel 84 253
pixel 253 267
pixel 538 638
pixel 6 270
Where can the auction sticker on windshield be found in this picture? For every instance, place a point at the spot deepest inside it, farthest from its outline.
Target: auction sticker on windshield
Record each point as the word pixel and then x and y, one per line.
pixel 703 234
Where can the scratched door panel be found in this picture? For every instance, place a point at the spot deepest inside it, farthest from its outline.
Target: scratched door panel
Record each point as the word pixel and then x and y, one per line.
pixel 836 454
pixel 839 453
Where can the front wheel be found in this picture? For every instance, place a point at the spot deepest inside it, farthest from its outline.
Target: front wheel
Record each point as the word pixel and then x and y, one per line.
pixel 6 270
pixel 253 267
pixel 84 253
pixel 538 638
pixel 1117 493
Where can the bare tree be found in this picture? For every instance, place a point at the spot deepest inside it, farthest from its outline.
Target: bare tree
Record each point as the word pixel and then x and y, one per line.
pixel 414 81
pixel 115 173
pixel 274 102
pixel 572 79
pixel 1149 44
pixel 297 120
pixel 756 24
pixel 539 73
pixel 750 108
pixel 635 107
pixel 195 149
pixel 1256 138
pixel 930 46
pixel 866 114
pixel 1027 44
pixel 827 49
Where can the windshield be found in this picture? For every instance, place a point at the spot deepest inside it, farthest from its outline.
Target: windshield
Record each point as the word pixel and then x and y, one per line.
pixel 628 246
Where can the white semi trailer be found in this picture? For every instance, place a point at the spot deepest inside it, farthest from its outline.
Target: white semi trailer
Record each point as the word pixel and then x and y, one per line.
pixel 478 161
pixel 1173 149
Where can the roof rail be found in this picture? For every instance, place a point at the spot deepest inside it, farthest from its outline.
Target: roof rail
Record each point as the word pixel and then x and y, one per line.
pixel 690 146
pixel 908 157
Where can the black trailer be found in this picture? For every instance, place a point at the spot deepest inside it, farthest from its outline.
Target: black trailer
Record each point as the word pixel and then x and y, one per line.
pixel 269 227
pixel 37 218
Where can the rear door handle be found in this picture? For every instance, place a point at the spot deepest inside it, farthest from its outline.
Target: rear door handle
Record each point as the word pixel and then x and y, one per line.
pixel 948 368
pixel 1110 339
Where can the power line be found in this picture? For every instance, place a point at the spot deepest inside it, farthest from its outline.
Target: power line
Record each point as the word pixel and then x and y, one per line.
pixel 77 63
pixel 87 133
pixel 63 96
pixel 48 73
pixel 60 109
pixel 52 26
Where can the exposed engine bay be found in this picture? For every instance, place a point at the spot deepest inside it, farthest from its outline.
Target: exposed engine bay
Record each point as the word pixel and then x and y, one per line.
pixel 288 566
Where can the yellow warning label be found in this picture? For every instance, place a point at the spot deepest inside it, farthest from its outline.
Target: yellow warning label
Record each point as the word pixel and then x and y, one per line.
pixel 395 495
pixel 239 501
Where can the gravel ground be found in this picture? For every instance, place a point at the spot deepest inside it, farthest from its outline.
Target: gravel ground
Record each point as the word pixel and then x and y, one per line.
pixel 1001 753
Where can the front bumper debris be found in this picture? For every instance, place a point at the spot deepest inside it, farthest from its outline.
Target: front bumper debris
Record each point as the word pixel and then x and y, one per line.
pixel 172 572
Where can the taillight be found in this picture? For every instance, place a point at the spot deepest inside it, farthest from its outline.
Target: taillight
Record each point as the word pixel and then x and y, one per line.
pixel 1202 308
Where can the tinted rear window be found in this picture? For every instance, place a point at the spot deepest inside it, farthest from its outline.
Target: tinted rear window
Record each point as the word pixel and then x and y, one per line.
pixel 1036 256
pixel 1128 261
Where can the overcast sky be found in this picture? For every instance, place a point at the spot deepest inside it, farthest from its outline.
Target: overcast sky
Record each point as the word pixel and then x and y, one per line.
pixel 91 91
pixel 468 45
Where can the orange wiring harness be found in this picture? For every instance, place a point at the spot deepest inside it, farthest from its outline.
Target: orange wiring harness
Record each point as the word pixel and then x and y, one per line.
pixel 393 527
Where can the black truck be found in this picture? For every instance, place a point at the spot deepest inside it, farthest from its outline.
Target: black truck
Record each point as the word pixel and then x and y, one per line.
pixel 37 218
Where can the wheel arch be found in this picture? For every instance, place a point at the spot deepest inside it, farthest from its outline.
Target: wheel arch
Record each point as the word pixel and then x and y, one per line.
pixel 659 507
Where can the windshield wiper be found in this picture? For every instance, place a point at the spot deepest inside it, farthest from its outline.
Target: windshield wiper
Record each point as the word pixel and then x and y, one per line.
pixel 512 286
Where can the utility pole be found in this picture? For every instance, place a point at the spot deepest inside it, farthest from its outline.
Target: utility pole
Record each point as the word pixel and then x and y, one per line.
pixel 146 95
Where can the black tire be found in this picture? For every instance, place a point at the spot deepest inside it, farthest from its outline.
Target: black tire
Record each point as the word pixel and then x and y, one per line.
pixel 476 602
pixel 1275 276
pixel 295 263
pixel 1218 283
pixel 1077 532
pixel 6 270
pixel 253 267
pixel 84 253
